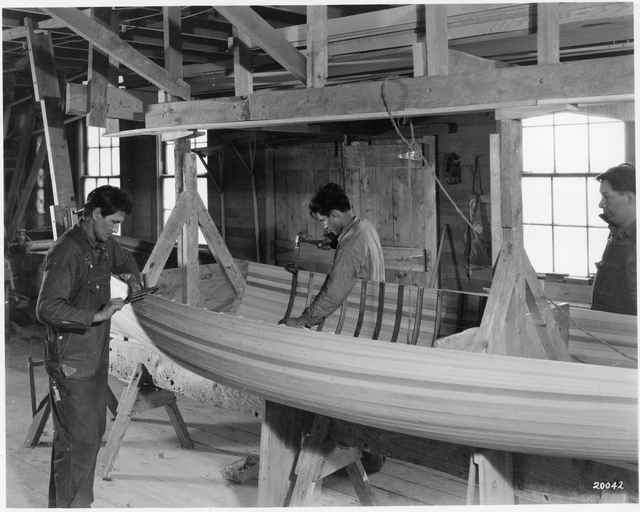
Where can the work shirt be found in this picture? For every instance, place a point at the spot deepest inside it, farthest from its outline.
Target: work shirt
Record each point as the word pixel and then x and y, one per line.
pixel 75 286
pixel 358 256
pixel 616 283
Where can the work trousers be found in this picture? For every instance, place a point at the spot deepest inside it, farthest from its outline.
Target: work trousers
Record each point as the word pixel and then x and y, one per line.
pixel 79 411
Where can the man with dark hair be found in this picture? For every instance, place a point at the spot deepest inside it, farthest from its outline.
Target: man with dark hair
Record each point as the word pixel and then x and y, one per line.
pixel 76 306
pixel 616 283
pixel 358 256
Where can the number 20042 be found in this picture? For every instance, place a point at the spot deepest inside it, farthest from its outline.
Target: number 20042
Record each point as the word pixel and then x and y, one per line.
pixel 608 485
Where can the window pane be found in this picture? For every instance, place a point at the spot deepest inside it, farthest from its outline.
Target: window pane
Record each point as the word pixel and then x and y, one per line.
pixel 536 200
pixel 538 121
pixel 165 216
pixel 202 189
pixel 102 181
pixel 105 162
pixel 168 193
pixel 115 161
pixel 569 201
pixel 200 168
pixel 569 118
pixel 593 199
pixel 93 162
pixel 572 148
pixel 89 185
pixel 169 160
pixel 570 251
pixel 597 243
pixel 533 159
pixel 538 244
pixel 93 137
pixel 607 146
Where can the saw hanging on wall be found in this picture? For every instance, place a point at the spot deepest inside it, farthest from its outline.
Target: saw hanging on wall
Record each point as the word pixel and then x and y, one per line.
pixel 452 168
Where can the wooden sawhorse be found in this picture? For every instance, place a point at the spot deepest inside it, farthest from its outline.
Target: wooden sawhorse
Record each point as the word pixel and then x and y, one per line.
pixel 141 395
pixel 42 411
pixel 291 471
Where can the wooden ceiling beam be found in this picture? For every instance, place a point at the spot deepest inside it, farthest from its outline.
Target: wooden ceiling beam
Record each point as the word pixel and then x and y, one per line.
pixel 265 36
pixel 580 82
pixel 111 44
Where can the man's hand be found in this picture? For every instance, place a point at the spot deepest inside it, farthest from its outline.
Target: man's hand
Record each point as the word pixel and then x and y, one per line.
pixel 328 241
pixel 110 309
pixel 292 322
pixel 134 284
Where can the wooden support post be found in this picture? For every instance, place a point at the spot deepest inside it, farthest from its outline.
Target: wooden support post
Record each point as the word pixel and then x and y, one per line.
pixel 437 39
pixel 317 49
pixel 186 183
pixel 496 217
pixel 511 215
pixel 285 482
pixel 242 63
pixel 270 207
pixel 102 71
pixel 495 475
pixel 279 446
pixel 141 395
pixel 430 212
pixel 548 40
pixel 47 92
pixel 309 462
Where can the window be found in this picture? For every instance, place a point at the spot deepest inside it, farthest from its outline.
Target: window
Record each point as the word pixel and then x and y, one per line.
pixel 102 161
pixel 562 155
pixel 168 181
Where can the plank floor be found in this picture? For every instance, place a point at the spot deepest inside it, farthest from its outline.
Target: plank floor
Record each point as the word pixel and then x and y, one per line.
pixel 152 471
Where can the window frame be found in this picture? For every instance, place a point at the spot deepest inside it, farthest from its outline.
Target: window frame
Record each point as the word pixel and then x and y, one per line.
pixel 588 228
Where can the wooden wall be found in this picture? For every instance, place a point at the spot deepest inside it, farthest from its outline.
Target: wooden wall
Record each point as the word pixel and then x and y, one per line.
pixel 387 190
pixel 384 189
pixel 471 140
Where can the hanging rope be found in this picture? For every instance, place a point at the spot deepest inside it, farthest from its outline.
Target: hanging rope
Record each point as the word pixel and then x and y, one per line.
pixel 413 146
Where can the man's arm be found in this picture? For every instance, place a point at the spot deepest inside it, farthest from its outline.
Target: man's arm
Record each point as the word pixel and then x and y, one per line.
pixel 632 277
pixel 341 281
pixel 125 267
pixel 54 302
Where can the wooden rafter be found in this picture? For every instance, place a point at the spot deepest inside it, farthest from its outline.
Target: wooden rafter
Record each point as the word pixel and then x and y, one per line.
pixel 47 92
pixel 265 36
pixel 124 53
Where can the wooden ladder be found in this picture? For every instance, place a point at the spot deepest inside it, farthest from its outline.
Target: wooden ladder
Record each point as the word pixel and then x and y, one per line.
pixel 141 395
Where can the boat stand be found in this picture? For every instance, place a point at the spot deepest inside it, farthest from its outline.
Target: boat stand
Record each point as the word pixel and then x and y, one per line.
pixel 295 457
pixel 141 395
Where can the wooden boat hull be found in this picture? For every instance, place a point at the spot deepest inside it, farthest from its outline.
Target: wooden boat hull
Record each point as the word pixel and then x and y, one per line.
pixel 506 403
